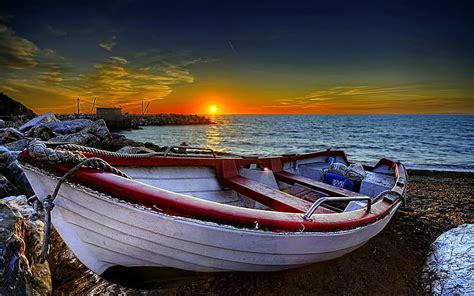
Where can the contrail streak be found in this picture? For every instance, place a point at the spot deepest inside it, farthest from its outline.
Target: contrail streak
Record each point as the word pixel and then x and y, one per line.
pixel 232 47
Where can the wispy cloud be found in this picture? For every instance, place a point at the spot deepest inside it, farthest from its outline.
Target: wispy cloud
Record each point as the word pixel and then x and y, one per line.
pixel 52 73
pixel 122 82
pixel 116 81
pixel 109 44
pixel 52 54
pixel 55 31
pixel 119 60
pixel 339 92
pixel 408 98
pixel 51 66
pixel 16 52
pixel 6 88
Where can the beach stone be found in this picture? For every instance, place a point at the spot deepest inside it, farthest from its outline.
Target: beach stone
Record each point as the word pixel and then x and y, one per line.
pixel 2 123
pixel 15 278
pixel 5 157
pixel 19 145
pixel 449 268
pixel 33 277
pixel 41 132
pixel 134 150
pixel 6 187
pixel 16 175
pixel 11 169
pixel 44 118
pixel 69 126
pixel 84 139
pixel 90 133
pixel 117 136
pixel 10 134
pixel 99 129
pixel 112 144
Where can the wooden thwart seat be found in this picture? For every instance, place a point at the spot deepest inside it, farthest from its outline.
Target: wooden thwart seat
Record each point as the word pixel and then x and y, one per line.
pixel 313 184
pixel 268 196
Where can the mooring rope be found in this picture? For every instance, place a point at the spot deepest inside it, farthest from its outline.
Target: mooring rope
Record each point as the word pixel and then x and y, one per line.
pixel 75 147
pixel 38 150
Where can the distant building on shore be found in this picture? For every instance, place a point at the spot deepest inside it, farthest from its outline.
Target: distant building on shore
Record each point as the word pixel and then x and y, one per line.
pixel 113 117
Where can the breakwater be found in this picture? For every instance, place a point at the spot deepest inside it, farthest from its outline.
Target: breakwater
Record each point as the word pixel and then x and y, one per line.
pixel 135 121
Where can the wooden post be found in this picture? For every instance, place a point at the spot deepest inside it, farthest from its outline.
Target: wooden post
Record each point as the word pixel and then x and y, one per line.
pixel 78 106
pixel 93 105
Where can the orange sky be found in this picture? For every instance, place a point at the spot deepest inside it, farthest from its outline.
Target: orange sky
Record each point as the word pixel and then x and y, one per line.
pixel 331 100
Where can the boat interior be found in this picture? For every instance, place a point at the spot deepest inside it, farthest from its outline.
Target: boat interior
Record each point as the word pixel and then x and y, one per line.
pixel 286 184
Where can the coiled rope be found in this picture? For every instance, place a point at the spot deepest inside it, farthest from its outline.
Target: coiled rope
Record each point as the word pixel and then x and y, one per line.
pixel 38 150
pixel 75 147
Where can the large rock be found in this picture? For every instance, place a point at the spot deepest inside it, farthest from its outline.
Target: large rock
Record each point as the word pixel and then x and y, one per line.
pixel 18 145
pixel 41 132
pixel 99 129
pixel 16 174
pixel 84 139
pixel 6 187
pixel 5 158
pixel 15 278
pixel 21 272
pixel 69 126
pixel 11 169
pixel 115 144
pixel 41 119
pixel 2 123
pixel 449 269
pixel 10 134
pixel 91 133
pixel 134 150
pixel 31 277
pixel 117 136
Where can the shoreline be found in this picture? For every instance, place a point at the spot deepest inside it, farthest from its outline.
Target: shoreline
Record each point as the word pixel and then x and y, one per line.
pixel 440 172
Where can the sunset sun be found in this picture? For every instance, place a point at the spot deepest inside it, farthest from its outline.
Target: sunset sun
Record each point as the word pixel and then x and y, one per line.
pixel 213 109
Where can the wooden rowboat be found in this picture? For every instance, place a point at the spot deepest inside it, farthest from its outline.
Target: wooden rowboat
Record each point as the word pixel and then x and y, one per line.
pixel 209 214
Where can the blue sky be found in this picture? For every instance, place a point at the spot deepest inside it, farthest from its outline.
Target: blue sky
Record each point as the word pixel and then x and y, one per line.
pixel 246 57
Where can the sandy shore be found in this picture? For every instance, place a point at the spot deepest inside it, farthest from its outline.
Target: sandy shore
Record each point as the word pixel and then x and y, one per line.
pixel 391 263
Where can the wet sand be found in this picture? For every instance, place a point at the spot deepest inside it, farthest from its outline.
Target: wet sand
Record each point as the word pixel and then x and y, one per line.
pixel 390 263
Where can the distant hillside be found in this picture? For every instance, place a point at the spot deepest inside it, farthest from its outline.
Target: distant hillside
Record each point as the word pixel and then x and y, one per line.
pixel 9 107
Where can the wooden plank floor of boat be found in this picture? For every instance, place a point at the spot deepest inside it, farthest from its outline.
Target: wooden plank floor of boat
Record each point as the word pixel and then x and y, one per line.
pixel 270 197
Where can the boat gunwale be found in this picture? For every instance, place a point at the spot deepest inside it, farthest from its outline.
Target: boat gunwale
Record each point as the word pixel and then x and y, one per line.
pixel 358 218
pixel 251 231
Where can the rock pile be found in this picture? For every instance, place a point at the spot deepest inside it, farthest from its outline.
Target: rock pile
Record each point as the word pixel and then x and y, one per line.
pixel 168 119
pixel 449 268
pixel 48 128
pixel 21 272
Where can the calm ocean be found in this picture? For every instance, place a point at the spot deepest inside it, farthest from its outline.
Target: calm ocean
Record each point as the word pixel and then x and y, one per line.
pixel 443 142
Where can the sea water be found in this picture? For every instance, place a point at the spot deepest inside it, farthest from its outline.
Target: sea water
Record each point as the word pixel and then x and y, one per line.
pixel 442 142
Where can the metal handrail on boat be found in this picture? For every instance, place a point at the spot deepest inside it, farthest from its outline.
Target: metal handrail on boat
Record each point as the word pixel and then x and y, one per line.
pixel 168 150
pixel 317 203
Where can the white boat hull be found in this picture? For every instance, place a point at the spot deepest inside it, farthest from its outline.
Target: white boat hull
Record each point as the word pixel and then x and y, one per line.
pixel 103 232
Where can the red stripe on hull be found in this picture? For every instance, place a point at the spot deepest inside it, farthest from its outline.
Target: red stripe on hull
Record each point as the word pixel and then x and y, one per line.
pixel 182 205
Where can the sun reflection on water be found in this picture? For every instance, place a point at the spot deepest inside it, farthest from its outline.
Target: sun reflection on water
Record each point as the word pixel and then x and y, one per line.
pixel 214 137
